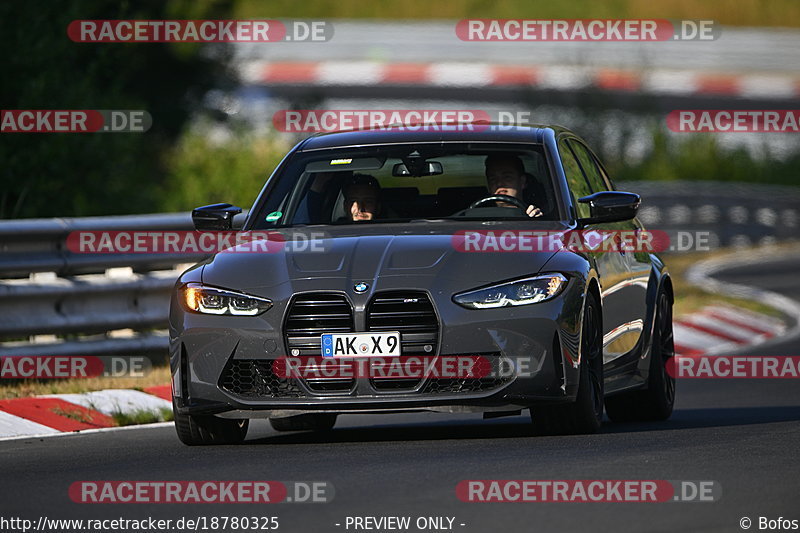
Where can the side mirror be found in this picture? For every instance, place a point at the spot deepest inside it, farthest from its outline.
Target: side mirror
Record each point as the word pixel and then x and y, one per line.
pixel 610 206
pixel 214 217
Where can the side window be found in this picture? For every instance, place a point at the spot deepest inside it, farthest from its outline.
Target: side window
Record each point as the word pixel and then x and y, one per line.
pixel 577 183
pixel 589 167
pixel 606 179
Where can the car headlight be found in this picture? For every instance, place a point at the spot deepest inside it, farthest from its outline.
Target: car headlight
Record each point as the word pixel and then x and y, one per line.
pixel 521 292
pixel 212 301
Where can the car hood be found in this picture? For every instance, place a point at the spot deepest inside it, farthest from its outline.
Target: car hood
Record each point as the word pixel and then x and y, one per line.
pixel 398 255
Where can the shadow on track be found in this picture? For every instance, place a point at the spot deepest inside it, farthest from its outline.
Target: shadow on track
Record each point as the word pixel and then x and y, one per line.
pixel 712 417
pixel 521 428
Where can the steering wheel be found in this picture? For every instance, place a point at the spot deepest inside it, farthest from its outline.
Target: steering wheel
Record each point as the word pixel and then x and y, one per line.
pixel 499 198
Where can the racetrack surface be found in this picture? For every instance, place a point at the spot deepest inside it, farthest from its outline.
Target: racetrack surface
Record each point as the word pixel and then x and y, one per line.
pixel 743 434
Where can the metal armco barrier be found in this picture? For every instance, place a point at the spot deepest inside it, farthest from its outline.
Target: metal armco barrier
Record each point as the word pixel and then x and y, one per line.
pixel 109 304
pixel 57 302
pixel 733 214
pixel 39 245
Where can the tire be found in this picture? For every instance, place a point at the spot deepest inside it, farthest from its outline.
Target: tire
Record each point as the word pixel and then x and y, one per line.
pixel 657 400
pixel 204 430
pixel 306 422
pixel 585 414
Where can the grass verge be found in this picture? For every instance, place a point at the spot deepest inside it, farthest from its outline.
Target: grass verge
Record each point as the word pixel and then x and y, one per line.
pixel 142 416
pixel 74 414
pixel 690 298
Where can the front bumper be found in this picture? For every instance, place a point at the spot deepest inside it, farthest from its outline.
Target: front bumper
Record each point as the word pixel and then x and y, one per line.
pixel 536 346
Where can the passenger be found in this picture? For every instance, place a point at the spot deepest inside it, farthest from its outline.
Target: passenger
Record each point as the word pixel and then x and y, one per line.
pixel 505 174
pixel 362 197
pixel 310 208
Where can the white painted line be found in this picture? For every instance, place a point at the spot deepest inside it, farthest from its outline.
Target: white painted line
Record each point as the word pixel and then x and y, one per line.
pixel 252 71
pixel 757 320
pixel 725 328
pixel 349 73
pixel 670 82
pixel 699 340
pixel 12 426
pixel 460 74
pixel 767 86
pixel 563 77
pixel 112 401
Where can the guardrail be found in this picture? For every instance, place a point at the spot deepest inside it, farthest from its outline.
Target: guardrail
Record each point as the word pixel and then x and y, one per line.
pixel 733 214
pixel 39 245
pixel 56 302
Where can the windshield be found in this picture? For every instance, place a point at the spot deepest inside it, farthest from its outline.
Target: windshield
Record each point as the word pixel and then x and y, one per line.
pixel 384 184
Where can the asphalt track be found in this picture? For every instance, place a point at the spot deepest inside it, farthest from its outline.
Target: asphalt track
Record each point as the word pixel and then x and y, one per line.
pixel 744 434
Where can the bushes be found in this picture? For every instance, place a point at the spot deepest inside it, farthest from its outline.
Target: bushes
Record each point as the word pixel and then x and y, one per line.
pixel 200 171
pixel 702 157
pixel 72 174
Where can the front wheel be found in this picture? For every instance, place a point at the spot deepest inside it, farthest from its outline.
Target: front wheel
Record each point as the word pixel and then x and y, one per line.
pixel 196 430
pixel 655 402
pixel 585 414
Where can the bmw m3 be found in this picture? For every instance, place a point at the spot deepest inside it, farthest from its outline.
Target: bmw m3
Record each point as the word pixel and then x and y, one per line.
pixel 411 274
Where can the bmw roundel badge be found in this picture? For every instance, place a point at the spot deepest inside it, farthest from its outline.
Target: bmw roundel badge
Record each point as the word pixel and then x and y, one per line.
pixel 361 287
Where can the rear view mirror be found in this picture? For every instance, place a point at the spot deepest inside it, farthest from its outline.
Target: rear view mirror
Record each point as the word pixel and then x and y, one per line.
pixel 610 206
pixel 429 168
pixel 214 217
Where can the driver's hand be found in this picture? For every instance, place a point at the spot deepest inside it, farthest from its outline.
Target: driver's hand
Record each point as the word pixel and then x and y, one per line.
pixel 533 211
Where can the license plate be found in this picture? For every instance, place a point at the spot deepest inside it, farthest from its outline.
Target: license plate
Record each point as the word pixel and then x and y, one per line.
pixel 360 344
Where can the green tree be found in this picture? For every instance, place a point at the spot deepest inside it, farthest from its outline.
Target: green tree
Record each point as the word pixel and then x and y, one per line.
pixel 72 174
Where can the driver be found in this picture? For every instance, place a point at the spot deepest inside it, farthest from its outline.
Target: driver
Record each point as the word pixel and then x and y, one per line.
pixel 505 174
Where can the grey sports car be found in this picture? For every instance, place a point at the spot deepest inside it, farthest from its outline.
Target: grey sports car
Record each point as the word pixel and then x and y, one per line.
pixel 416 269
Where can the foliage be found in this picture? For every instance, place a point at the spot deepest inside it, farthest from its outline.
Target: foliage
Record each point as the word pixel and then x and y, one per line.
pixel 71 174
pixel 203 172
pixel 702 157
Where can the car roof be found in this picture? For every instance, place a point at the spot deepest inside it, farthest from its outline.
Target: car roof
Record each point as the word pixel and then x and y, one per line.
pixel 483 132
